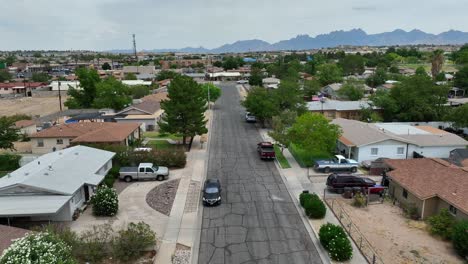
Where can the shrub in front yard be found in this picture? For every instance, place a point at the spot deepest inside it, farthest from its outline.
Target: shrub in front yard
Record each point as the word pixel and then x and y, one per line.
pixel 315 208
pixel 441 224
pixel 111 176
pixel 39 247
pixel 359 200
pixel 411 211
pixel 328 232
pixel 105 201
pixel 340 249
pixel 460 238
pixel 130 242
pixel 303 197
pixel 9 162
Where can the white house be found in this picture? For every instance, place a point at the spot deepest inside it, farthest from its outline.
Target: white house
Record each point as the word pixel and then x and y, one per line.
pixel 64 85
pixel 369 141
pixel 271 82
pixel 54 186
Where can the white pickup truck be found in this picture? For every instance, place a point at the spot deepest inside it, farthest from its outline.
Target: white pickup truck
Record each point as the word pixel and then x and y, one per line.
pixel 145 171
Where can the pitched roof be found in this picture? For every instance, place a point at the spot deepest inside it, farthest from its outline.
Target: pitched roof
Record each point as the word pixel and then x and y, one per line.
pixel 426 178
pixel 157 97
pixel 338 105
pixel 10 233
pixel 90 131
pixel 149 106
pixel 24 123
pixel 334 86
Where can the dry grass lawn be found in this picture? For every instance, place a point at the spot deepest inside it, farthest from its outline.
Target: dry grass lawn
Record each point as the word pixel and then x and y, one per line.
pixel 398 239
pixel 33 106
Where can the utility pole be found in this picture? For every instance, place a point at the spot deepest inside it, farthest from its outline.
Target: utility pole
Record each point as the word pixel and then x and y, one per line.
pixel 134 48
pixel 60 96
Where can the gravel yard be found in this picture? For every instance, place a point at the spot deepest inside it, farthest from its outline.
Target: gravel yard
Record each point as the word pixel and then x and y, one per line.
pixel 162 196
pixel 181 255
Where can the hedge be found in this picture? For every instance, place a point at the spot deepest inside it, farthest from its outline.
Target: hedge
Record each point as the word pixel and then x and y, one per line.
pixel 334 239
pixel 460 238
pixel 9 162
pixel 313 205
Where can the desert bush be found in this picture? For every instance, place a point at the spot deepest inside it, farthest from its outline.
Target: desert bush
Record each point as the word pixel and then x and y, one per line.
pixel 340 249
pixel 328 232
pixel 411 211
pixel 41 247
pixel 460 238
pixel 131 241
pixel 359 200
pixel 441 224
pixel 303 197
pixel 94 244
pixel 315 208
pixel 105 201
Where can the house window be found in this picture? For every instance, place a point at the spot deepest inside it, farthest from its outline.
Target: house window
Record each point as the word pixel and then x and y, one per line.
pixel 59 141
pixel 405 194
pixel 374 151
pixel 453 210
pixel 400 150
pixel 40 143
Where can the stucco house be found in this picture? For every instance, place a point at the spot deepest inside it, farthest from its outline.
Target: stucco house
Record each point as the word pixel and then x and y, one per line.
pixel 339 109
pixel 331 90
pixel 429 185
pixel 369 141
pixel 26 127
pixel 147 112
pixel 64 135
pixel 54 186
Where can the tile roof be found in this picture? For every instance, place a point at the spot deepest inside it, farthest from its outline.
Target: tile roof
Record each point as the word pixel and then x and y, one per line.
pixel 24 123
pixel 10 233
pixel 90 131
pixel 22 84
pixel 427 178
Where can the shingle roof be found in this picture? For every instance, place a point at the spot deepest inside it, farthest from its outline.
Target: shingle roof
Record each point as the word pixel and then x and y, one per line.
pixel 149 106
pixel 427 178
pixel 24 123
pixel 90 131
pixel 157 97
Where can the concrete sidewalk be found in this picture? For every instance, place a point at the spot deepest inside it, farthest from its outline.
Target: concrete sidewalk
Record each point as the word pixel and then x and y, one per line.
pixel 296 181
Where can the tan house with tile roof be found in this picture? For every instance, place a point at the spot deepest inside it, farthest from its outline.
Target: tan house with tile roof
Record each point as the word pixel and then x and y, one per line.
pixel 26 127
pixel 62 136
pixel 430 185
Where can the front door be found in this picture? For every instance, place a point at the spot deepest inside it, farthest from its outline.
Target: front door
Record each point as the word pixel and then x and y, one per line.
pixel 86 193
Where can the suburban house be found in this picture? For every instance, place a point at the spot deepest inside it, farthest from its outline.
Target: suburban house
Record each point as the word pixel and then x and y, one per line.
pixel 147 112
pixel 331 90
pixel 20 88
pixel 429 185
pixel 369 141
pixel 26 127
pixel 339 109
pixel 271 82
pixel 224 76
pixel 54 186
pixel 62 136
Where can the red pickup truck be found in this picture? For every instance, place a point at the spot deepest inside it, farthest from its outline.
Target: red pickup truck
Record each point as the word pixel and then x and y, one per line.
pixel 266 150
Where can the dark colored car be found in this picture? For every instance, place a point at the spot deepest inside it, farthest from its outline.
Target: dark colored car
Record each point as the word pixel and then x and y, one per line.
pixel 337 181
pixel 266 150
pixel 211 192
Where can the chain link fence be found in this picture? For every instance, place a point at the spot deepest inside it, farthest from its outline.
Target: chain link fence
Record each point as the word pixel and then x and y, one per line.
pixel 353 231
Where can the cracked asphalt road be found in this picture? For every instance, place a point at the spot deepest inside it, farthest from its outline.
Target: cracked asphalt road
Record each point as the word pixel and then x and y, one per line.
pixel 257 221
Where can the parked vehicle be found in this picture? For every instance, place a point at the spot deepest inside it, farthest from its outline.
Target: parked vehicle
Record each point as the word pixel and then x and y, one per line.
pixel 145 171
pixel 142 149
pixel 249 118
pixel 338 182
pixel 266 150
pixel 337 163
pixel 368 163
pixel 211 192
pixel 242 81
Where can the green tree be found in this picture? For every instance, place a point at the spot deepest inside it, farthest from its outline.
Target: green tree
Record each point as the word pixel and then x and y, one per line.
pixel 218 64
pixel 256 77
pixel 111 93
pixel 185 109
pixel 377 78
pixel 314 133
pixel 352 91
pixel 352 64
pixel 164 75
pixel 459 116
pixel 437 60
pixel 261 103
pixel 368 114
pixel 231 62
pixel 4 75
pixel 40 77
pixel 8 133
pixel 130 76
pixel 10 60
pixel 212 91
pixel 281 124
pixel 461 56
pixel 421 71
pixel 289 96
pixel 461 78
pixel 106 66
pixel 311 88
pixel 83 98
pixel 460 238
pixel 139 91
pixel 328 74
pixel 310 67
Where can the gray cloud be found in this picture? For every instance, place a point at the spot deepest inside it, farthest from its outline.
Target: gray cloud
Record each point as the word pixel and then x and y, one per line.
pixel 108 24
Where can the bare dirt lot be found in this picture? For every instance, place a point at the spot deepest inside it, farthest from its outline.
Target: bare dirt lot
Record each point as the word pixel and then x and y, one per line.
pixel 30 106
pixel 398 239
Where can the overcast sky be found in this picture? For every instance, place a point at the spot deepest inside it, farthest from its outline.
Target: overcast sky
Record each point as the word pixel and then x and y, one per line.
pixel 108 24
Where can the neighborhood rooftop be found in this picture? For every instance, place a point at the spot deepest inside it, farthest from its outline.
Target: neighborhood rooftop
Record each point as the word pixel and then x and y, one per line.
pixel 358 133
pixel 428 178
pixel 337 105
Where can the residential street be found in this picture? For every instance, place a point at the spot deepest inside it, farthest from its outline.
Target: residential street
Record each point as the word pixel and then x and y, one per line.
pixel 257 221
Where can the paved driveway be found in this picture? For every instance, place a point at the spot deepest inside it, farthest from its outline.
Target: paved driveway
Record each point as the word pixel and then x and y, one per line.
pixel 257 221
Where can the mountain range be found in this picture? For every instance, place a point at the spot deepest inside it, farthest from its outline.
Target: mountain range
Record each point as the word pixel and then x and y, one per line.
pixel 354 37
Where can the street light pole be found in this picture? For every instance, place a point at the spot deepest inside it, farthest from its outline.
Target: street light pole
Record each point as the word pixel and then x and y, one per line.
pixel 60 96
